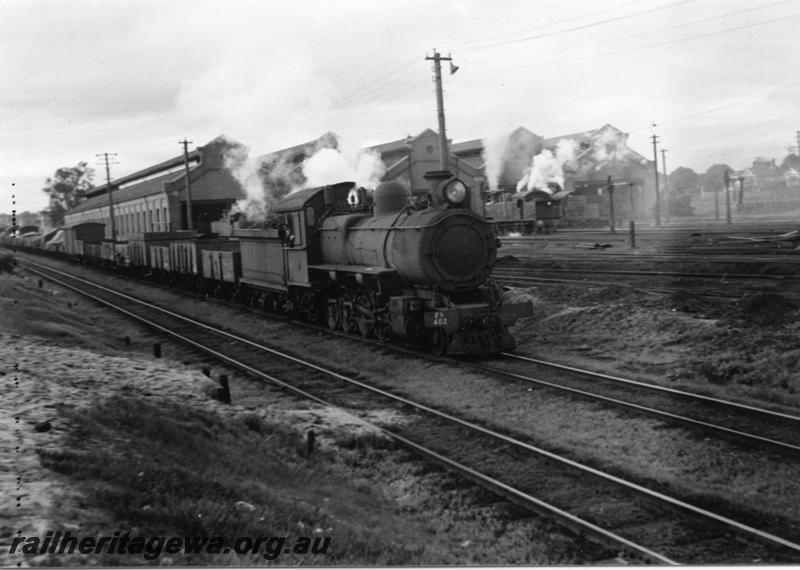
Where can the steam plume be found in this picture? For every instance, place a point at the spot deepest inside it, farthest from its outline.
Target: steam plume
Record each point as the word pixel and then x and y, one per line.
pixel 265 180
pixel 548 166
pixel 494 152
pixel 345 163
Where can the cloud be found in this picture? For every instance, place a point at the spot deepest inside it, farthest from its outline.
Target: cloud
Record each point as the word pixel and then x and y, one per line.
pixel 249 93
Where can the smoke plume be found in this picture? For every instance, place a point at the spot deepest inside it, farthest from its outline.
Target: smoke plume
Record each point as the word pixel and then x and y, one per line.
pixel 548 166
pixel 494 152
pixel 345 163
pixel 269 178
pixel 265 180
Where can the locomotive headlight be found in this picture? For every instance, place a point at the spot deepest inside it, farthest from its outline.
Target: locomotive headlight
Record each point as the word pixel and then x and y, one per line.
pixel 455 192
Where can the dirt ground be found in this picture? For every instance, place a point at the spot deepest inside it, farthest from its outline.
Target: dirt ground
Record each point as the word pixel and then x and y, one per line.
pixel 63 359
pixel 745 350
pixel 70 353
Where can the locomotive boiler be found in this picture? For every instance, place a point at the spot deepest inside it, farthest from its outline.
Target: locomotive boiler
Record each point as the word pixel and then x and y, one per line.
pixel 415 272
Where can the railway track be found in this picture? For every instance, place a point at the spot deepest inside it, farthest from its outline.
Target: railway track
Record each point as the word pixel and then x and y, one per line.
pixel 719 286
pixel 636 257
pixel 620 513
pixel 744 424
pixel 524 281
pixel 523 271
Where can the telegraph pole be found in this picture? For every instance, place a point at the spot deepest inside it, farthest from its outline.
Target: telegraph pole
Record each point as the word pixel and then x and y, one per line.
pixel 13 212
pixel 106 156
pixel 727 197
pixel 13 219
pixel 437 69
pixel 189 222
pixel 655 169
pixel 666 185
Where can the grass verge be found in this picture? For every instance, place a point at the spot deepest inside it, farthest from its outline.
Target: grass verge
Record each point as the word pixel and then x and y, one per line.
pixel 164 469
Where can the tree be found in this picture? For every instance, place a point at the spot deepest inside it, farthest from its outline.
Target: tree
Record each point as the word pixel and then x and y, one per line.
pixel 714 178
pixel 66 189
pixel 684 181
pixel 790 161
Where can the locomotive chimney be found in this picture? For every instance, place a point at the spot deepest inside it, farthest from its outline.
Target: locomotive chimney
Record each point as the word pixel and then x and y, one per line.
pixel 390 197
pixel 329 196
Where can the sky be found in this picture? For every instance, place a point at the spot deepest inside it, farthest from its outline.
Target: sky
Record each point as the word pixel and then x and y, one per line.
pixel 717 78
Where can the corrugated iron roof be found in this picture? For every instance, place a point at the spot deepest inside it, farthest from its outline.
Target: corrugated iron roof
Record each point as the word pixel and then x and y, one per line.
pixel 146 188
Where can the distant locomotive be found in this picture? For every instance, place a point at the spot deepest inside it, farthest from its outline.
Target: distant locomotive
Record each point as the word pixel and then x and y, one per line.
pixel 376 265
pixel 526 212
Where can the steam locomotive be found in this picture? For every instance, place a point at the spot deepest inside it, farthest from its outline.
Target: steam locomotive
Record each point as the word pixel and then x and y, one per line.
pixel 376 265
pixel 527 211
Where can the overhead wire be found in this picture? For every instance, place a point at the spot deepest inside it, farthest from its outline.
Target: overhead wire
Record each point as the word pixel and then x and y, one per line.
pixel 648 46
pixel 640 34
pixel 548 25
pixel 590 25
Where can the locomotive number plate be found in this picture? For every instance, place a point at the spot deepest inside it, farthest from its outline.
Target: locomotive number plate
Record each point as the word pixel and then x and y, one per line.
pixel 439 320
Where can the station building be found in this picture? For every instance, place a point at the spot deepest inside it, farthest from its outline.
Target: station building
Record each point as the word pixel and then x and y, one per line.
pixel 408 159
pixel 594 156
pixel 155 199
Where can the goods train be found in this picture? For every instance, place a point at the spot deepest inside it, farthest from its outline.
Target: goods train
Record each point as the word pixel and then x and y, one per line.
pixel 526 212
pixel 374 264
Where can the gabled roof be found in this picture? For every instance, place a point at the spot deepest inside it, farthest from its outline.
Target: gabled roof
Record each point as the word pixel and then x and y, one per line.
pixel 399 144
pixel 477 144
pixel 467 146
pixel 147 188
pixel 194 157
pixel 584 136
pixel 586 141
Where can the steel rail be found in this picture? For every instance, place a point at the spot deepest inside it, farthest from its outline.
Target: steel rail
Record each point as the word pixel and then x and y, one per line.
pixel 749 438
pixel 672 501
pixel 525 281
pixel 495 484
pixel 655 387
pixel 684 274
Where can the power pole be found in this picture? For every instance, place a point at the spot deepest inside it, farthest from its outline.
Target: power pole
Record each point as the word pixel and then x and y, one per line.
pixel 610 188
pixel 189 222
pixel 727 196
pixel 13 212
pixel 106 156
pixel 666 185
pixel 655 169
pixel 797 134
pixel 437 69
